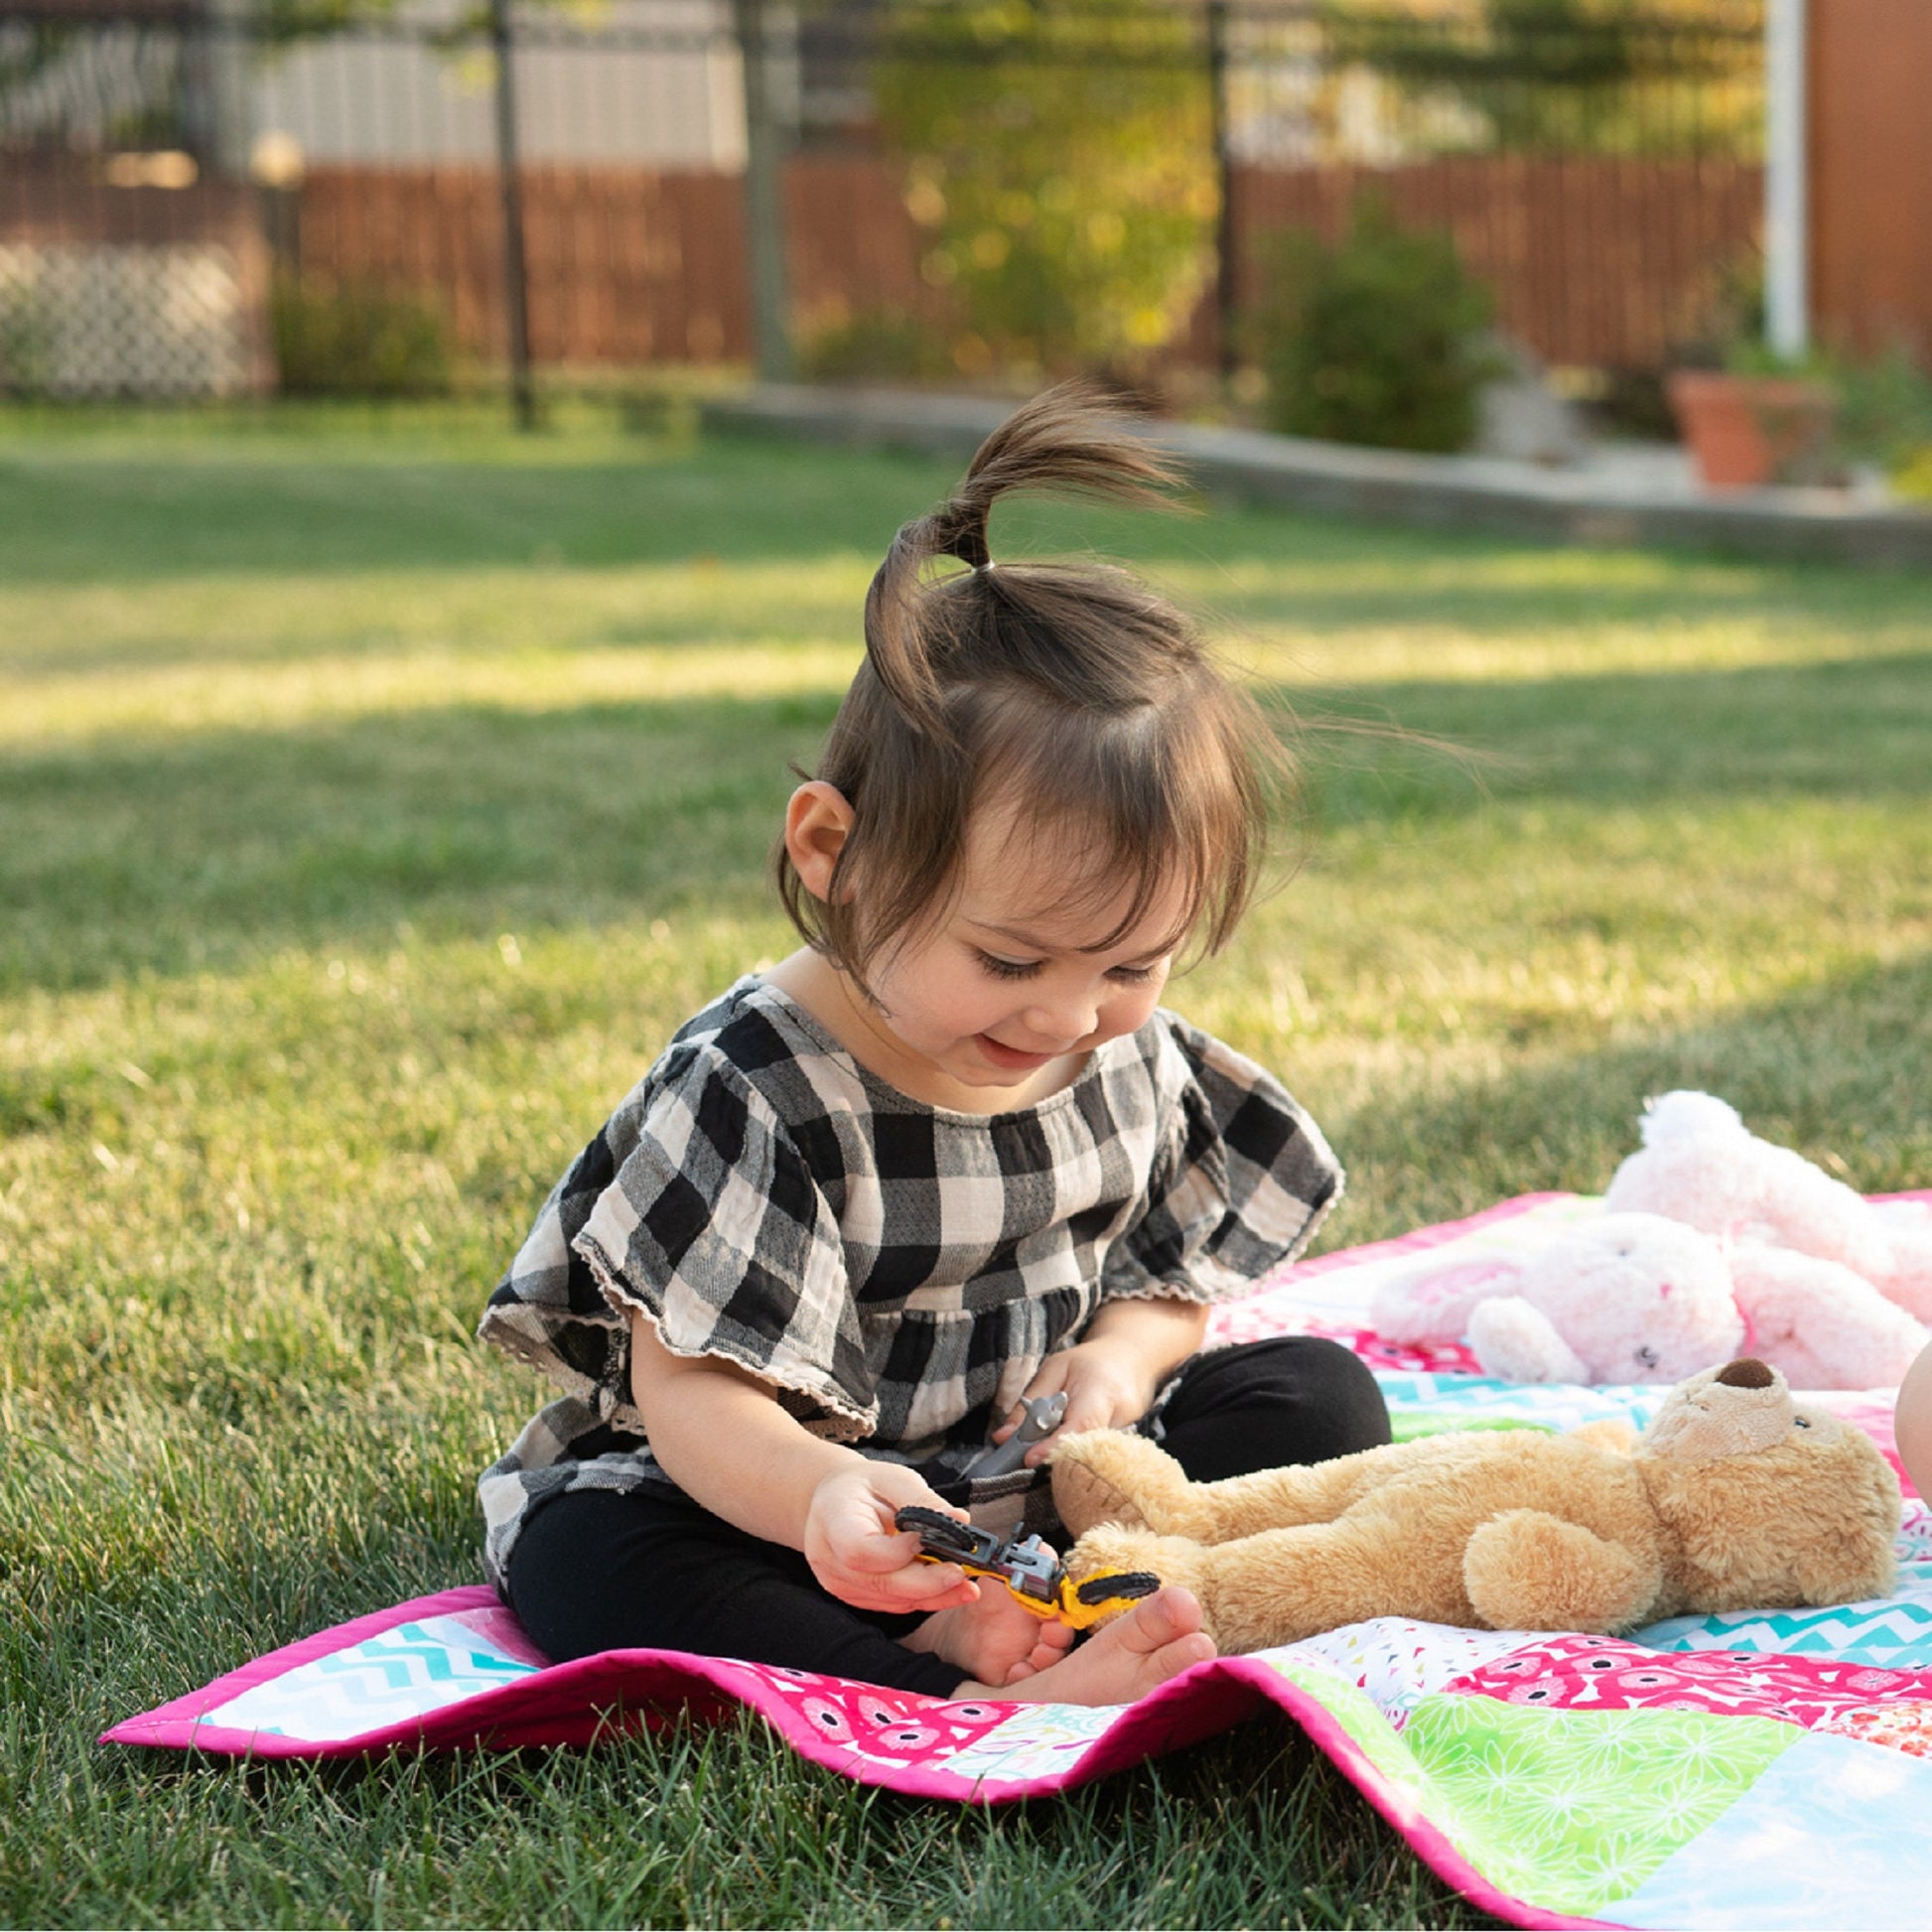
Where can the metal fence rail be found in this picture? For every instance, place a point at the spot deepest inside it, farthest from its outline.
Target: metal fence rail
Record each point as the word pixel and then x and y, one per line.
pixel 198 199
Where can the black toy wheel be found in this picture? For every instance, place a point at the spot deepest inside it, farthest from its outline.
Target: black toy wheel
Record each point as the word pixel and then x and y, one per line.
pixel 942 1534
pixel 1123 1585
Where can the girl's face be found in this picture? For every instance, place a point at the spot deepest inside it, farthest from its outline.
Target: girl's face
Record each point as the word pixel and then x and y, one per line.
pixel 1011 981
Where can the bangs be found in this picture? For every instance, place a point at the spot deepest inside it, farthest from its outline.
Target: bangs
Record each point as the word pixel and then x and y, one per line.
pixel 1145 806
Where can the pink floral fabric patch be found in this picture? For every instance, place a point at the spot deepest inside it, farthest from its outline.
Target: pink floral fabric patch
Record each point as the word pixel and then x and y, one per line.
pixel 1587 1673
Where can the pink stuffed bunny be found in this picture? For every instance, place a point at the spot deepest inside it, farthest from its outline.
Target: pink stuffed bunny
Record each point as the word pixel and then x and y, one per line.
pixel 1634 1297
pixel 1700 1165
pixel 1628 1297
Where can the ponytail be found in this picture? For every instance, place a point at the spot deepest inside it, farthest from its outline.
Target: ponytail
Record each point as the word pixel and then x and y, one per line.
pixel 1065 440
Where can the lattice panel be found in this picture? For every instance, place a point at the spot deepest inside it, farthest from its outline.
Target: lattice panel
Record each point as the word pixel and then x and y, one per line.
pixel 96 319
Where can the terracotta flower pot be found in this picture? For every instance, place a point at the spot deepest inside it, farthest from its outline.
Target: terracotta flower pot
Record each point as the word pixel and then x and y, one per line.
pixel 1748 430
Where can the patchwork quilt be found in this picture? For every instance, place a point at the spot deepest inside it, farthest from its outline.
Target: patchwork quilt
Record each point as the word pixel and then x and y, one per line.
pixel 1750 1770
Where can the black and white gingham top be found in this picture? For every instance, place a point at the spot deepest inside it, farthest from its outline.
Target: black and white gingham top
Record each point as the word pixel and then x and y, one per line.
pixel 895 1271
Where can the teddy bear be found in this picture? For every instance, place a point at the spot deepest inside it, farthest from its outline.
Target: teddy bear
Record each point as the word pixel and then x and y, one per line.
pixel 1736 1496
pixel 1634 1297
pixel 1700 1165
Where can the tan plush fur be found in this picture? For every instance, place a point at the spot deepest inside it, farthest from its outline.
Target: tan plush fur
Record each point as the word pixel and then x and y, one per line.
pixel 1733 1499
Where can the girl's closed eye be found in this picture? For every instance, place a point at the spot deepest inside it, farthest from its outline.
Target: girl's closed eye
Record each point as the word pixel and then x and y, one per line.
pixel 1022 969
pixel 1007 969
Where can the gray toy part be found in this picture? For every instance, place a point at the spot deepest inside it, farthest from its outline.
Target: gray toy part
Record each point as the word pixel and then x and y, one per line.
pixel 1045 1414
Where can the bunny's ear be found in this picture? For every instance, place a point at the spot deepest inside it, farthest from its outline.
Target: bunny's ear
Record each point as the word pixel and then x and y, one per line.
pixel 1736 1409
pixel 1433 1300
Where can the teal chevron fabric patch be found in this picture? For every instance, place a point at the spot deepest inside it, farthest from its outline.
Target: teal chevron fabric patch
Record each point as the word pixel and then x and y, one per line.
pixel 406 1672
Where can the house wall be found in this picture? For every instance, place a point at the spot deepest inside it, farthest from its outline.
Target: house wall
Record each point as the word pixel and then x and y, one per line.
pixel 1870 167
pixel 377 97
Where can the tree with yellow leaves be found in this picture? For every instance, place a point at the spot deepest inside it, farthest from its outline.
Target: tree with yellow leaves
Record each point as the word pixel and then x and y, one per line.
pixel 1059 164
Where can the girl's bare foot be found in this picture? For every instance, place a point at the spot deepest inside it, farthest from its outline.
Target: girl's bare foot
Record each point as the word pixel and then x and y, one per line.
pixel 1156 1640
pixel 995 1640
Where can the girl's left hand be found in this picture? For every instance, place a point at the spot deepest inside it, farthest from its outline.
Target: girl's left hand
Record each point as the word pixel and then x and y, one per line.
pixel 1106 1386
pixel 1112 1374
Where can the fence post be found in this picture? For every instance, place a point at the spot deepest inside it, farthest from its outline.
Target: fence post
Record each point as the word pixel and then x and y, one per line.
pixel 516 283
pixel 1224 232
pixel 763 207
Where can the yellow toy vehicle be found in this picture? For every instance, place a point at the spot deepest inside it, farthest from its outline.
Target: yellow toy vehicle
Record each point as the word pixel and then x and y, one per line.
pixel 1031 1571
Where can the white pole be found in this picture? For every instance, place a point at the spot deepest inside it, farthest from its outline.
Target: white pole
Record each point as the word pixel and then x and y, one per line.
pixel 1787 274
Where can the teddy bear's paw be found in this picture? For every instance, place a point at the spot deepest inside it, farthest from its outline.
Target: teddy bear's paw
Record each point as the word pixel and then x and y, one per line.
pixel 1526 1570
pixel 1111 1475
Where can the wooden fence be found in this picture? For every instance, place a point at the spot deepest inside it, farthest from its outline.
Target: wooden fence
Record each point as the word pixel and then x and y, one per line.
pixel 111 284
pixel 1595 261
pixel 626 265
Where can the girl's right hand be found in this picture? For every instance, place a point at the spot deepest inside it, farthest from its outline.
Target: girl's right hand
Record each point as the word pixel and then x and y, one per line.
pixel 857 1554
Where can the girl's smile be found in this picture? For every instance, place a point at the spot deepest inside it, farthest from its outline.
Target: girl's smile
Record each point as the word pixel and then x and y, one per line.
pixel 1010 1057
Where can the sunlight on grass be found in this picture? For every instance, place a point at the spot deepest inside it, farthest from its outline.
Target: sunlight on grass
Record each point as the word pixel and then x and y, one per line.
pixel 227 653
pixel 389 676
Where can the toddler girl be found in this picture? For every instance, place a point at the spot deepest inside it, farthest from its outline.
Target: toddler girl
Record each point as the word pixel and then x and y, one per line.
pixel 947 1155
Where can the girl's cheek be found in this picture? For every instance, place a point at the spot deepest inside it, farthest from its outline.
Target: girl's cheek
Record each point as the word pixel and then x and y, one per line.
pixel 1130 1011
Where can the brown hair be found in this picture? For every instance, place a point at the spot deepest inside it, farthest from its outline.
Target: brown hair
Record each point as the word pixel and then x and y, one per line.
pixel 1074 688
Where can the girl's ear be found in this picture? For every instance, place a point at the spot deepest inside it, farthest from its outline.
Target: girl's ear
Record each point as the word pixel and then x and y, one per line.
pixel 817 822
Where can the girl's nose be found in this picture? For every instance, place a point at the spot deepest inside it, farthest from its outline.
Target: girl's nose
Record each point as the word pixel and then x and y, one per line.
pixel 1064 1019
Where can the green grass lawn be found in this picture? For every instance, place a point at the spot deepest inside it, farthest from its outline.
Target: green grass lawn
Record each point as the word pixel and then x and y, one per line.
pixel 377 794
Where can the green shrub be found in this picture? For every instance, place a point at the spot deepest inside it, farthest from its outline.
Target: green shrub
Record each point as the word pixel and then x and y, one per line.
pixel 357 338
pixel 1379 339
pixel 875 345
pixel 1884 409
pixel 1883 413
pixel 26 344
pixel 1914 477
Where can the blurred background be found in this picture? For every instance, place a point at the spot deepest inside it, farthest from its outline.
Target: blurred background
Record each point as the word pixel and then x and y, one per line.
pixel 1257 211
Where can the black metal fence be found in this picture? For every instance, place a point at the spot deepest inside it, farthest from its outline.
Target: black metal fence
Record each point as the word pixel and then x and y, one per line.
pixel 215 197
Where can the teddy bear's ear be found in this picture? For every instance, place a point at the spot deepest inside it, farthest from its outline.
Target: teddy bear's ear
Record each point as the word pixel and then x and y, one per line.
pixel 1611 1434
pixel 1736 1410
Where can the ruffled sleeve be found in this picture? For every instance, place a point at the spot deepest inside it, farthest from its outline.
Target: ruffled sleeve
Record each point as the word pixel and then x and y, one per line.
pixel 1240 1184
pixel 695 1205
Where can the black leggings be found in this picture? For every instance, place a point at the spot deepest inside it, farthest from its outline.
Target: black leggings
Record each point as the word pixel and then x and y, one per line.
pixel 599 1570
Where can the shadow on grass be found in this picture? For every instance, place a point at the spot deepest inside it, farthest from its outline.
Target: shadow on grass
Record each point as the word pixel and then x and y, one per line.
pixel 1839 1068
pixel 205 848
pixel 129 521
pixel 208 850
pixel 1846 730
pixel 72 518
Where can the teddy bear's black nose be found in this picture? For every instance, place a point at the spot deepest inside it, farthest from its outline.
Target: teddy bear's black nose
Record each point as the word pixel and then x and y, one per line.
pixel 1747 1373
